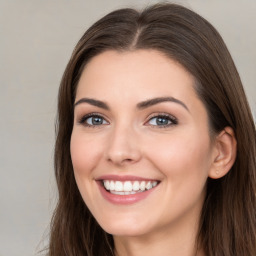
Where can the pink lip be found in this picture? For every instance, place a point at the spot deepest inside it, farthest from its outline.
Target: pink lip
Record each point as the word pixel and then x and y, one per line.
pixel 123 199
pixel 122 178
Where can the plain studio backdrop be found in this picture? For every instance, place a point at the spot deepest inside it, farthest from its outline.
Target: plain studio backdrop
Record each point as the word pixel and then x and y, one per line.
pixel 36 41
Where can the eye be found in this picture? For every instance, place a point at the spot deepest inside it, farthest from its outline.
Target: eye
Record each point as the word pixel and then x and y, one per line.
pixel 162 121
pixel 93 120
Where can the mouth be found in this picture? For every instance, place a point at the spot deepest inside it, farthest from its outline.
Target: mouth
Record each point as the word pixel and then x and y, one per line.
pixel 118 187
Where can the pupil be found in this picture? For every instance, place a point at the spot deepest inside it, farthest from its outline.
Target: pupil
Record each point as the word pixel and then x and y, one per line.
pixel 162 121
pixel 97 120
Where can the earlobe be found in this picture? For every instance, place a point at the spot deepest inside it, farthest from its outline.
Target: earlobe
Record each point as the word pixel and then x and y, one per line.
pixel 225 153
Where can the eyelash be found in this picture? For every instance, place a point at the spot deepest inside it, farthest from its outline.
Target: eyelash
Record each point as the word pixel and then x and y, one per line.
pixel 170 119
pixel 91 115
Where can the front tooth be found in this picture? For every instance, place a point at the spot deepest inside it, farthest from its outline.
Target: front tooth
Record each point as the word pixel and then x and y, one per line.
pixel 112 185
pixel 136 186
pixel 118 186
pixel 149 185
pixel 143 185
pixel 128 186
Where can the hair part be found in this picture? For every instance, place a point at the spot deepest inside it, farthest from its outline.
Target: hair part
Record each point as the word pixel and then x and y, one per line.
pixel 228 219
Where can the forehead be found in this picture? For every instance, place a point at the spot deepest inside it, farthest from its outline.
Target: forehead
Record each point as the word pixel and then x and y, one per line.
pixel 140 70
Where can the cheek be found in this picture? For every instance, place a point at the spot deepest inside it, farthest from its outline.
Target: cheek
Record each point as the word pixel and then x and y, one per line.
pixel 85 153
pixel 183 156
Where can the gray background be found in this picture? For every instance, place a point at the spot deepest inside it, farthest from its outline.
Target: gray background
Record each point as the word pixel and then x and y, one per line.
pixel 36 40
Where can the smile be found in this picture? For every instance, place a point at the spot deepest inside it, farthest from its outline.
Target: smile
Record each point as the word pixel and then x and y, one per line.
pixel 128 187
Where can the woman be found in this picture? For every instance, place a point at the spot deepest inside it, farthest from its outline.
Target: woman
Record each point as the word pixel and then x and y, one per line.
pixel 155 149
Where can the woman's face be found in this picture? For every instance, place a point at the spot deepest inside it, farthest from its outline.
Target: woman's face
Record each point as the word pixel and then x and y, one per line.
pixel 140 144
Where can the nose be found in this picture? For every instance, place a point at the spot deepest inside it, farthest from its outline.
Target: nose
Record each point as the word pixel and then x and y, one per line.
pixel 123 146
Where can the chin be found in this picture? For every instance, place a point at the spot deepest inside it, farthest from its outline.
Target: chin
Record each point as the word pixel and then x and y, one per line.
pixel 130 227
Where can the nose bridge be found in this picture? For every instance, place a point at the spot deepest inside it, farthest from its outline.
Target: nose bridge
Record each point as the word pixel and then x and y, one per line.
pixel 123 146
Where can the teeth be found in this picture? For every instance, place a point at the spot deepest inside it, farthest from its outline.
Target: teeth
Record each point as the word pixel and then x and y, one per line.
pixel 112 185
pixel 117 192
pixel 128 187
pixel 149 185
pixel 136 186
pixel 107 184
pixel 143 185
pixel 119 186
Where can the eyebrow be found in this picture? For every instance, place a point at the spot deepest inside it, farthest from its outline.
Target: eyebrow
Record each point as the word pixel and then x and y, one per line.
pixel 141 105
pixel 93 102
pixel 151 102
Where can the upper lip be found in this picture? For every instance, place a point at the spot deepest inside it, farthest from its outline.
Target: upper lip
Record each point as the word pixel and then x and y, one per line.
pixel 124 178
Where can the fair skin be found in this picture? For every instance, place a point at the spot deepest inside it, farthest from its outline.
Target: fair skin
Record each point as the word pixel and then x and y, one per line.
pixel 124 136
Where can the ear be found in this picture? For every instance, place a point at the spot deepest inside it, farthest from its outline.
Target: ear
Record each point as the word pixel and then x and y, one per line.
pixel 224 153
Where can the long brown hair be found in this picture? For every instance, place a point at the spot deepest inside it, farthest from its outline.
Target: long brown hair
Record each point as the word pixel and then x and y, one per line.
pixel 228 219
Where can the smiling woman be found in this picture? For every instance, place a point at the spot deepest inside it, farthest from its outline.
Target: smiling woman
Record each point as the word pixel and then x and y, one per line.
pixel 153 125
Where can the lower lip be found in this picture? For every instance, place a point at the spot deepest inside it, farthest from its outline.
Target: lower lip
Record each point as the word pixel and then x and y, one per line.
pixel 124 199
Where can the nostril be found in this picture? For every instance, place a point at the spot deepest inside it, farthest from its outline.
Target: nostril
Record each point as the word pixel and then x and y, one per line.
pixel 120 159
